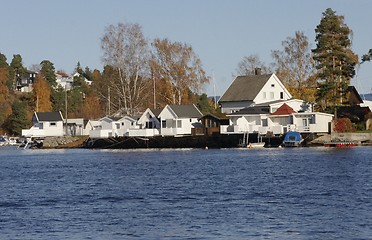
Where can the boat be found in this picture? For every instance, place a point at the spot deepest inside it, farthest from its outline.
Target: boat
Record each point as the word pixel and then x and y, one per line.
pixel 4 141
pixel 292 139
pixel 340 144
pixel 244 143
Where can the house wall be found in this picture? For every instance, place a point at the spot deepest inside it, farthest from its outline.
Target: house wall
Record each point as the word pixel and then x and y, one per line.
pixel 271 91
pixel 295 104
pixel 52 129
pixel 231 107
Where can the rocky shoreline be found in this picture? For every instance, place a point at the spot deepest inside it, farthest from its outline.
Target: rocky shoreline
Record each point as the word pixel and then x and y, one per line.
pixel 359 138
pixel 64 142
pixel 83 141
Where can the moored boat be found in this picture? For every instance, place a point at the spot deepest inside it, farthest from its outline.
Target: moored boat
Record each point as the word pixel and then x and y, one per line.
pixel 340 144
pixel 3 141
pixel 292 139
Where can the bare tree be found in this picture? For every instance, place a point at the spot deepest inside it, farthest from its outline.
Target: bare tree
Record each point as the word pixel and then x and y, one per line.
pixel 294 64
pixel 249 63
pixel 178 69
pixel 126 50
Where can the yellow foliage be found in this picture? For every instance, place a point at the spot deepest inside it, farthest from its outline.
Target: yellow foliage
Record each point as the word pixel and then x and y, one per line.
pixel 92 108
pixel 42 95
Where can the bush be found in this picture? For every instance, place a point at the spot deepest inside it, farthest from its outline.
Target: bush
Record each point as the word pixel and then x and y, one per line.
pixel 343 125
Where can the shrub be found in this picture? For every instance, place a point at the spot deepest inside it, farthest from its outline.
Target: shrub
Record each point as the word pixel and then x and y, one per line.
pixel 343 125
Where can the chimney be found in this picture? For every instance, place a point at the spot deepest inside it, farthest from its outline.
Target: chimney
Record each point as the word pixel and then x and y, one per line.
pixel 257 71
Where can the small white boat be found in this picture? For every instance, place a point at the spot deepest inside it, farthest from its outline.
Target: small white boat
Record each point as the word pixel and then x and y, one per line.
pixel 256 145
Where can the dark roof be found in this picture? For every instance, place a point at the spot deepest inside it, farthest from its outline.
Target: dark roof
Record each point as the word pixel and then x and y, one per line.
pixel 210 115
pixel 186 111
pixel 245 88
pixel 284 110
pixel 156 111
pixel 354 97
pixel 253 111
pixel 49 116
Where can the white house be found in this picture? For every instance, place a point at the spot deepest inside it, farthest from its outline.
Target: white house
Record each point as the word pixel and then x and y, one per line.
pixel 148 124
pixel 178 120
pixel 91 125
pixel 247 91
pixel 75 126
pixel 112 127
pixel 126 124
pixel 283 119
pixel 45 124
pixel 108 128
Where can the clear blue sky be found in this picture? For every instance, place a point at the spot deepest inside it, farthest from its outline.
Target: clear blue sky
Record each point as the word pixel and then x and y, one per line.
pixel 221 32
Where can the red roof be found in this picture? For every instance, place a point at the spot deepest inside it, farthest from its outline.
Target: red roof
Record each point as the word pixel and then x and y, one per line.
pixel 284 110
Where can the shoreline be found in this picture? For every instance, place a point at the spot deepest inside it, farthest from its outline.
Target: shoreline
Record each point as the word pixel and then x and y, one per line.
pixel 199 141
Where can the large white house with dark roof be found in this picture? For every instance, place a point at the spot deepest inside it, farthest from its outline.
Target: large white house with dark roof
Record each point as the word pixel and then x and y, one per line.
pixel 247 91
pixel 252 104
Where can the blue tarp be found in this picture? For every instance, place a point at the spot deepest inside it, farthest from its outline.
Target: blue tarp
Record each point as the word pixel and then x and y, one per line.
pixel 292 137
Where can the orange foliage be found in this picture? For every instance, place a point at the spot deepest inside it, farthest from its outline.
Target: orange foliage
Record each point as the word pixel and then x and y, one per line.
pixel 91 108
pixel 42 95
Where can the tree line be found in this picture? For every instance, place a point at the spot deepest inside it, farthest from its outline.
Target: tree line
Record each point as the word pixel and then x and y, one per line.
pixel 139 73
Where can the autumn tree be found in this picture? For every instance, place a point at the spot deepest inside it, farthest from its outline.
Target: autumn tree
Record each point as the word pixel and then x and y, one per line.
pixel 91 108
pixel 5 103
pixel 334 59
pixel 177 70
pixel 249 64
pixel 125 49
pixel 294 67
pixel 42 94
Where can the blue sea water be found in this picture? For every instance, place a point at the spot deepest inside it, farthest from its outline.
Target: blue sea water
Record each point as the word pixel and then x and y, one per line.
pixel 300 193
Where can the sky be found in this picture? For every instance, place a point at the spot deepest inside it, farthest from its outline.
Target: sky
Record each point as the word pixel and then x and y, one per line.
pixel 221 32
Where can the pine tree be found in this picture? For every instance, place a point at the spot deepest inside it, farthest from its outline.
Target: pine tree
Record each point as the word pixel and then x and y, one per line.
pixel 18 119
pixel 334 59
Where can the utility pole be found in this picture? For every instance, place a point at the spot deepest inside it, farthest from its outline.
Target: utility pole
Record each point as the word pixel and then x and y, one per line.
pixel 66 103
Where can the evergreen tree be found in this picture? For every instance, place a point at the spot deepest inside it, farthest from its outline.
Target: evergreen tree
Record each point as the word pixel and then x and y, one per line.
pixel 3 62
pixel 334 59
pixel 18 119
pixel 16 71
pixel 48 71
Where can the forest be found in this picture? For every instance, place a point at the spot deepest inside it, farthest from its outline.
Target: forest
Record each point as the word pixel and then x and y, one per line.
pixel 139 74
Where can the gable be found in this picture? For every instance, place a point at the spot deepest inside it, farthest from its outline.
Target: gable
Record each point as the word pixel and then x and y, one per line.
pixel 245 88
pixel 272 90
pixel 284 110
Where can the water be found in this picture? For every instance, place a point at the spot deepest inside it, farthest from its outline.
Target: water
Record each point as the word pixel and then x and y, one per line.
pixel 302 193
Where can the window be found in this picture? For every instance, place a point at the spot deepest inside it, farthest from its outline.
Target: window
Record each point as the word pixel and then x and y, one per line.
pixel 271 95
pixel 264 95
pixel 179 123
pixel 281 95
pixel 272 85
pixel 264 122
pixel 163 124
pixel 53 124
